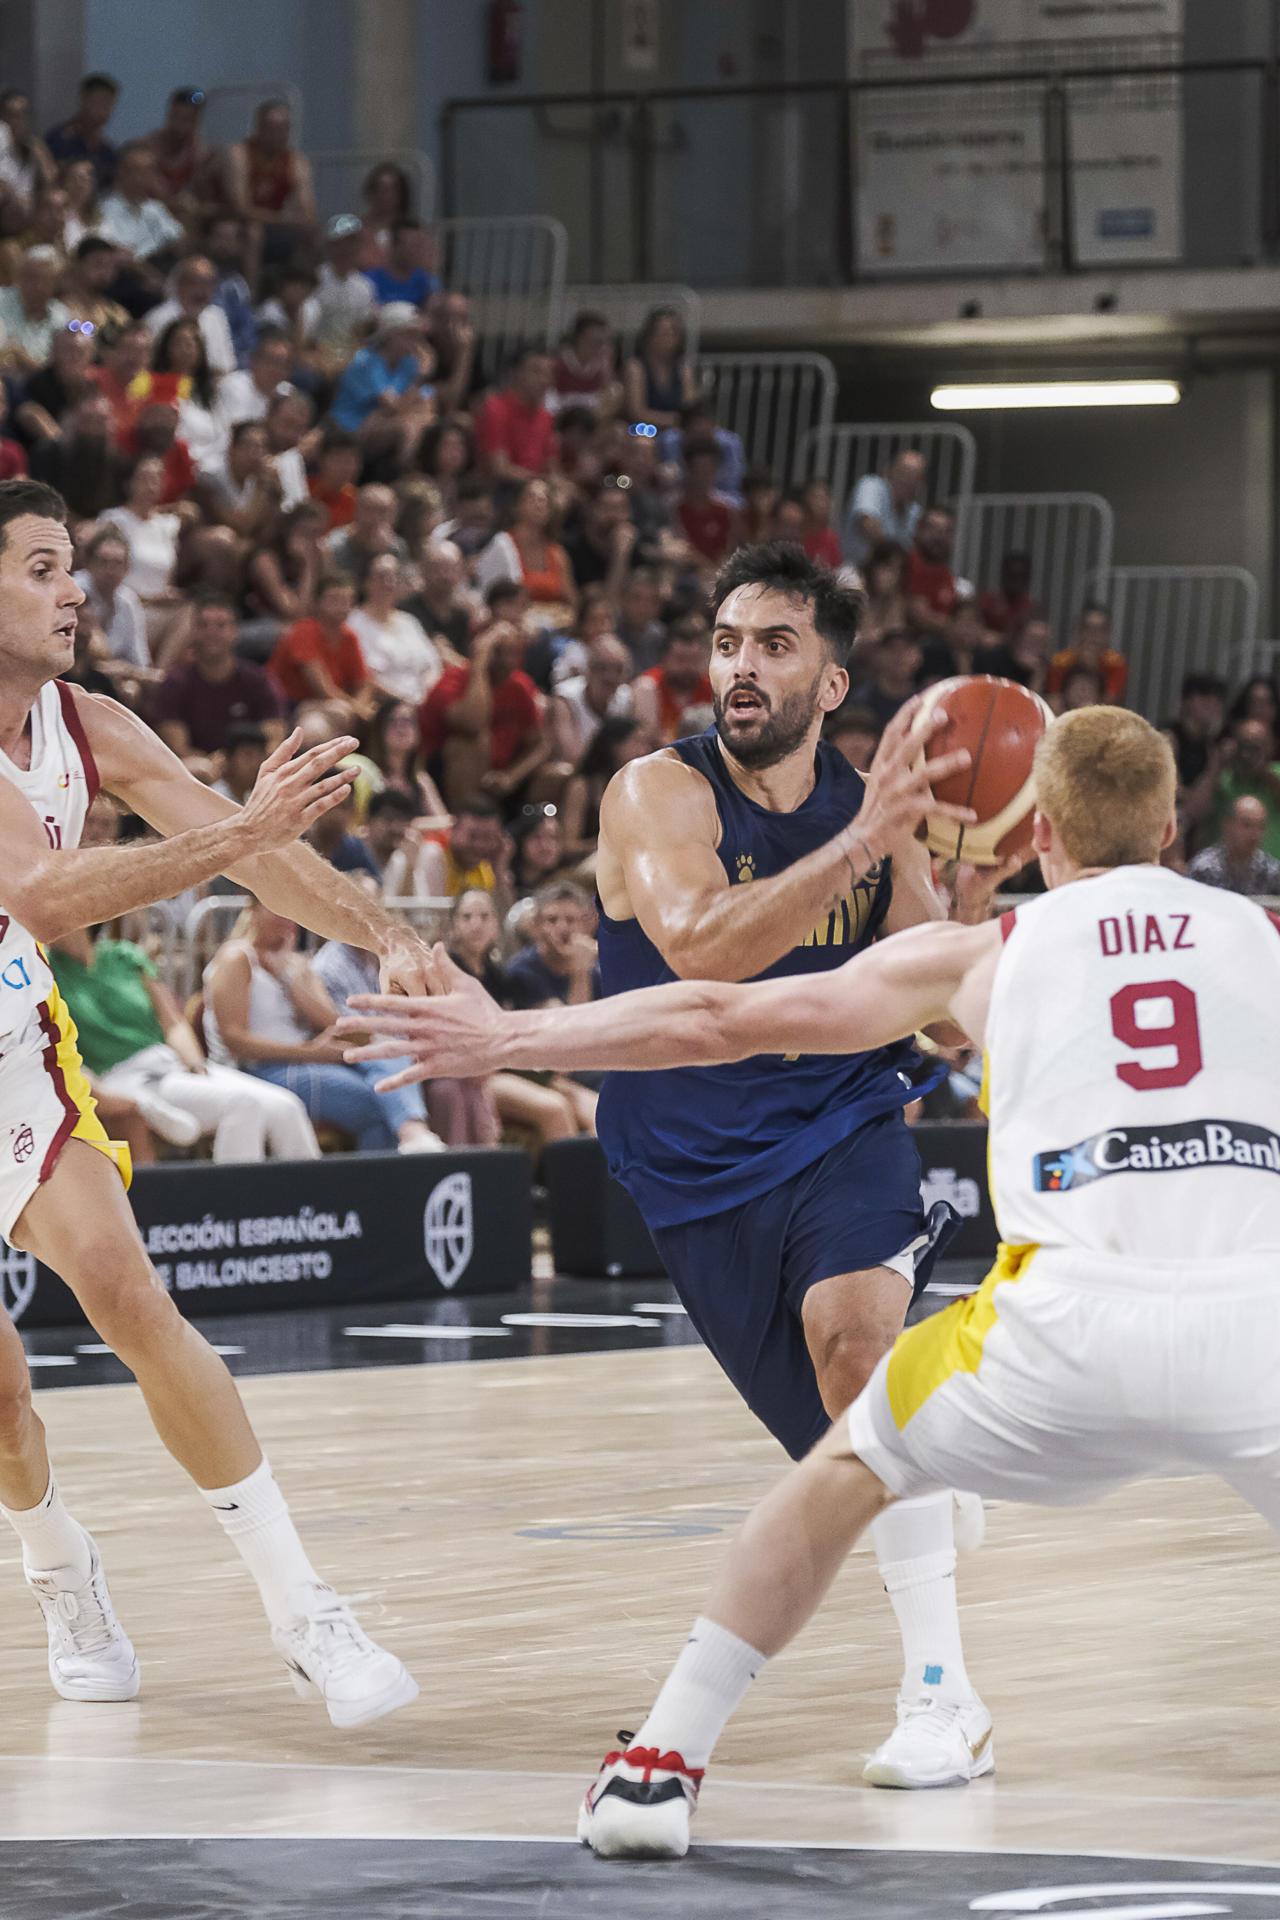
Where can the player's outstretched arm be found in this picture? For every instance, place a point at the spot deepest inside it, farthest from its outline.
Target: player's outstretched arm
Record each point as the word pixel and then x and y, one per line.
pixel 883 995
pixel 54 890
pixel 659 829
pixel 257 844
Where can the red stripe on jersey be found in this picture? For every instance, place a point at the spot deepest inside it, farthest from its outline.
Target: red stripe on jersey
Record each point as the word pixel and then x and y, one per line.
pixel 70 1111
pixel 1274 918
pixel 1007 922
pixel 75 727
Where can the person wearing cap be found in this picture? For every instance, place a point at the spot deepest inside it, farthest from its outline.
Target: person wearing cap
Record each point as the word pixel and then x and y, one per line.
pixel 345 299
pixel 181 156
pixel 384 397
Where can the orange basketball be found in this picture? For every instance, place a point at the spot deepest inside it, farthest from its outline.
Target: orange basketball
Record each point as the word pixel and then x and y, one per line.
pixel 1000 723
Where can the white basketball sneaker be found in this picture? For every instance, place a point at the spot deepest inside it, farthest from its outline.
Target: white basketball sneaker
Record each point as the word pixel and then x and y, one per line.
pixel 90 1654
pixel 639 1804
pixel 936 1743
pixel 329 1654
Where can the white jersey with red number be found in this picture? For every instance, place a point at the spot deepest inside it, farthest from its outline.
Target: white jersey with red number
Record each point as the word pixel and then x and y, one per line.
pixel 1133 1050
pixel 60 784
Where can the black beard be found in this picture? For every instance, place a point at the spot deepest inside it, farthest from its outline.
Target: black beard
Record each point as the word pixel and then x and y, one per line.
pixel 783 731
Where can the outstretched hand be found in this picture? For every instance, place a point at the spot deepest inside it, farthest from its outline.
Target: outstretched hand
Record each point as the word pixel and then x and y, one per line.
pixel 976 887
pixel 900 783
pixel 293 789
pixel 454 1031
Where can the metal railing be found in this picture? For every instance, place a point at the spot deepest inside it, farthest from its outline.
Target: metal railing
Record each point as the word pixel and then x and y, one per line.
pixel 1171 621
pixel 843 454
pixel 1068 536
pixel 512 270
pixel 340 174
pixel 626 308
pixel 773 402
pixel 666 182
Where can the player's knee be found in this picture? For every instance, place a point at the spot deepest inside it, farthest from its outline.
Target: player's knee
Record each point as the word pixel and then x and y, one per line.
pixel 129 1307
pixel 844 1360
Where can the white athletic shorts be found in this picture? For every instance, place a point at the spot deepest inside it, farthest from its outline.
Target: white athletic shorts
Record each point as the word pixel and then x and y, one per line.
pixel 1067 1374
pixel 45 1101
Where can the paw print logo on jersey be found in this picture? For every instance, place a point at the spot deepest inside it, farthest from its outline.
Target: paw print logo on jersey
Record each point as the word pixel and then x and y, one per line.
pixel 746 867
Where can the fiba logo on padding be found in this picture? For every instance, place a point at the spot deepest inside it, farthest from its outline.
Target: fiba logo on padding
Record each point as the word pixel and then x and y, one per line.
pixel 447 1233
pixel 17 1280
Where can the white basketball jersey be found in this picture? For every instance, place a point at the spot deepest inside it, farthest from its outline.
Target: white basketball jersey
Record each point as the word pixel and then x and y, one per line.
pixel 60 783
pixel 1133 1054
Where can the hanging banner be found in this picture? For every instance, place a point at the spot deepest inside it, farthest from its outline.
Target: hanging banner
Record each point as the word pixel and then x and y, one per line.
pixel 956 178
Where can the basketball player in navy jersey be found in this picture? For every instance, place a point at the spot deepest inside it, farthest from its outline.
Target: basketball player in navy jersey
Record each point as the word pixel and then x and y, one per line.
pixel 784 1193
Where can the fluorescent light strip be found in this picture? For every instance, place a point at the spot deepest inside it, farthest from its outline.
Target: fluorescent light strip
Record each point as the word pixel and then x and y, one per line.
pixel 1060 393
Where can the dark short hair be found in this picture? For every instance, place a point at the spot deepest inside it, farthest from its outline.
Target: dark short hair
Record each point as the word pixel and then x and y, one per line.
pixel 243 733
pixel 502 590
pixel 20 498
pixel 268 337
pixel 1194 684
pixel 477 806
pixel 576 416
pixel 99 83
pixel 334 578
pixel 701 407
pixel 210 597
pixel 586 317
pixel 242 427
pixel 91 244
pixel 698 446
pixel 783 566
pixel 338 440
pixel 390 801
pixel 756 479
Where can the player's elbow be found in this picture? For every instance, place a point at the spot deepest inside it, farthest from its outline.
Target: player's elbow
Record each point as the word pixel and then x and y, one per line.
pixel 692 955
pixel 36 906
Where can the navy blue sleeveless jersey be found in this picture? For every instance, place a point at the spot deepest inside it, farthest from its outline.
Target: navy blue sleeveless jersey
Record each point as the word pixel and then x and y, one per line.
pixel 689 1142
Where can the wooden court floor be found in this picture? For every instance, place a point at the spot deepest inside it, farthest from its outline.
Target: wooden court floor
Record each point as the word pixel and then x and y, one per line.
pixel 533 1537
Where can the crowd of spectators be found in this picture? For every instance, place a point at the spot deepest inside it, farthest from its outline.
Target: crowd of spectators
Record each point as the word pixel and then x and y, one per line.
pixel 296 499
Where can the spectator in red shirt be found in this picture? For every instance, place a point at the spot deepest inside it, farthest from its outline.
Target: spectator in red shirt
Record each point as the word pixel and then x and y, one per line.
pixel 586 367
pixel 157 432
pixel 679 683
pixel 482 723
pixel 1007 606
pixel 820 539
pixel 333 483
pixel 118 376
pixel 711 523
pixel 515 431
pixel 930 583
pixel 1091 651
pixel 319 660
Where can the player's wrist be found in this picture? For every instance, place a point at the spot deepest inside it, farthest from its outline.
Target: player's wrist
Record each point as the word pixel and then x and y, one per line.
pixel 859 850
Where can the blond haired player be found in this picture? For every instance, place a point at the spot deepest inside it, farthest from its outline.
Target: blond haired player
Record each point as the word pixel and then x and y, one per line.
pixel 62 1196
pixel 1129 1326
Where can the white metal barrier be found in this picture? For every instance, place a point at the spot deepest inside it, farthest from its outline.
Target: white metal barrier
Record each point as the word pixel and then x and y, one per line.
pixel 340 174
pixel 627 306
pixel 1171 621
pixel 773 402
pixel 843 453
pixel 512 271
pixel 1068 536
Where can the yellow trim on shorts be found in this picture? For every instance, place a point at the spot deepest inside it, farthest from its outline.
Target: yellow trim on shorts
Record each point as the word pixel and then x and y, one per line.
pixel 926 1356
pixel 88 1127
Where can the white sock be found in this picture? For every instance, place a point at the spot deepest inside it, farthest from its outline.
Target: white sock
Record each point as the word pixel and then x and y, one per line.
pixel 706 1683
pixel 50 1537
pixel 254 1515
pixel 915 1547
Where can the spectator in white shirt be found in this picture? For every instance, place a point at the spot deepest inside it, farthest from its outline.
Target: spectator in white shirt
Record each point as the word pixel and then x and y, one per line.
pixel 152 536
pixel 400 658
pixel 114 605
pixel 579 706
pixel 345 299
pixel 135 219
pixel 246 393
pixel 194 285
pixel 885 507
pixel 29 314
pixel 288 422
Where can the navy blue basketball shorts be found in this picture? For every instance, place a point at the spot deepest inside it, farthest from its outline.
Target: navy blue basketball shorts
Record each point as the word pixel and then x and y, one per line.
pixel 743 1274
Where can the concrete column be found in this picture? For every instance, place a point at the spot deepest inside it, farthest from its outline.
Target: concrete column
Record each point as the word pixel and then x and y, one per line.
pixel 42 49
pixel 384 63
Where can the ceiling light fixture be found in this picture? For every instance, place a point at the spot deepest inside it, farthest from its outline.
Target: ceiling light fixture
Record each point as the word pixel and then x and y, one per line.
pixel 1059 393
